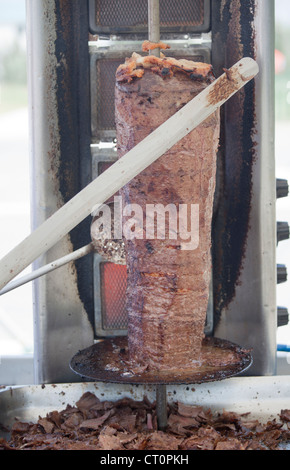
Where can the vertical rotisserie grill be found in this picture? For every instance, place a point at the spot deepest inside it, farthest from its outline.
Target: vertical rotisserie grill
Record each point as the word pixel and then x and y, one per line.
pixel 88 303
pixel 76 139
pixel 166 338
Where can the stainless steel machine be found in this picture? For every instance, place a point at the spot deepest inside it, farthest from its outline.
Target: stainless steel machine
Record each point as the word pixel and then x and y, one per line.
pixel 74 50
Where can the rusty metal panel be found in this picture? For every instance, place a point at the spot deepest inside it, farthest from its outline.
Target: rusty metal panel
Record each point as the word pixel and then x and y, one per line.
pixel 244 229
pixel 60 144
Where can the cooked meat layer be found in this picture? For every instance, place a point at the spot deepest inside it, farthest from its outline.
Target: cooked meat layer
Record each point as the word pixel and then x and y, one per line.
pixel 168 279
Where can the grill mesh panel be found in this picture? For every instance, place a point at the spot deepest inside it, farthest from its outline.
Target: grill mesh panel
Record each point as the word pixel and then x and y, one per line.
pixel 113 288
pixel 134 13
pixel 105 96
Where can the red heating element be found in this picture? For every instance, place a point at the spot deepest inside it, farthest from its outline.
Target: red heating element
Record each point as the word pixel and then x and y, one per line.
pixel 113 282
pixel 113 288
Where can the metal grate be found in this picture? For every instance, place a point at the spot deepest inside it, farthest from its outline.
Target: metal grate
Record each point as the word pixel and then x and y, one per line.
pixel 131 16
pixel 113 289
pixel 105 106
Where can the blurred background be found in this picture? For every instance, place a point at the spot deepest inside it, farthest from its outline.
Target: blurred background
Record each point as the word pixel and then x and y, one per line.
pixel 16 307
pixel 16 320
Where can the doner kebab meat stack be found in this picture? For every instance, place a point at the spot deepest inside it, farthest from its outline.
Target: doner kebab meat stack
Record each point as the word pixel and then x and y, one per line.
pixel 167 285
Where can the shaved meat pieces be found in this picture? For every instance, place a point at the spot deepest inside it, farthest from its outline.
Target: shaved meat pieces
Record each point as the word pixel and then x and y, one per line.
pixel 134 66
pixel 150 46
pixel 131 425
pixel 285 415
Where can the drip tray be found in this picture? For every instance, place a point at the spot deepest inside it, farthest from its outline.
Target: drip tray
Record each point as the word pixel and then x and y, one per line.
pixel 108 361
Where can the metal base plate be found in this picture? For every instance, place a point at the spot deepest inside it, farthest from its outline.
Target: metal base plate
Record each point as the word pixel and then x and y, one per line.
pixel 107 361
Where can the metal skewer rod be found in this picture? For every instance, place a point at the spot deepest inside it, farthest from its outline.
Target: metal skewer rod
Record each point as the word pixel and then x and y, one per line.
pixel 161 406
pixel 154 36
pixel 154 24
pixel 75 255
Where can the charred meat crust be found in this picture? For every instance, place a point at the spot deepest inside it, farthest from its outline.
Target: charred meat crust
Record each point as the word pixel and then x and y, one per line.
pixel 166 67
